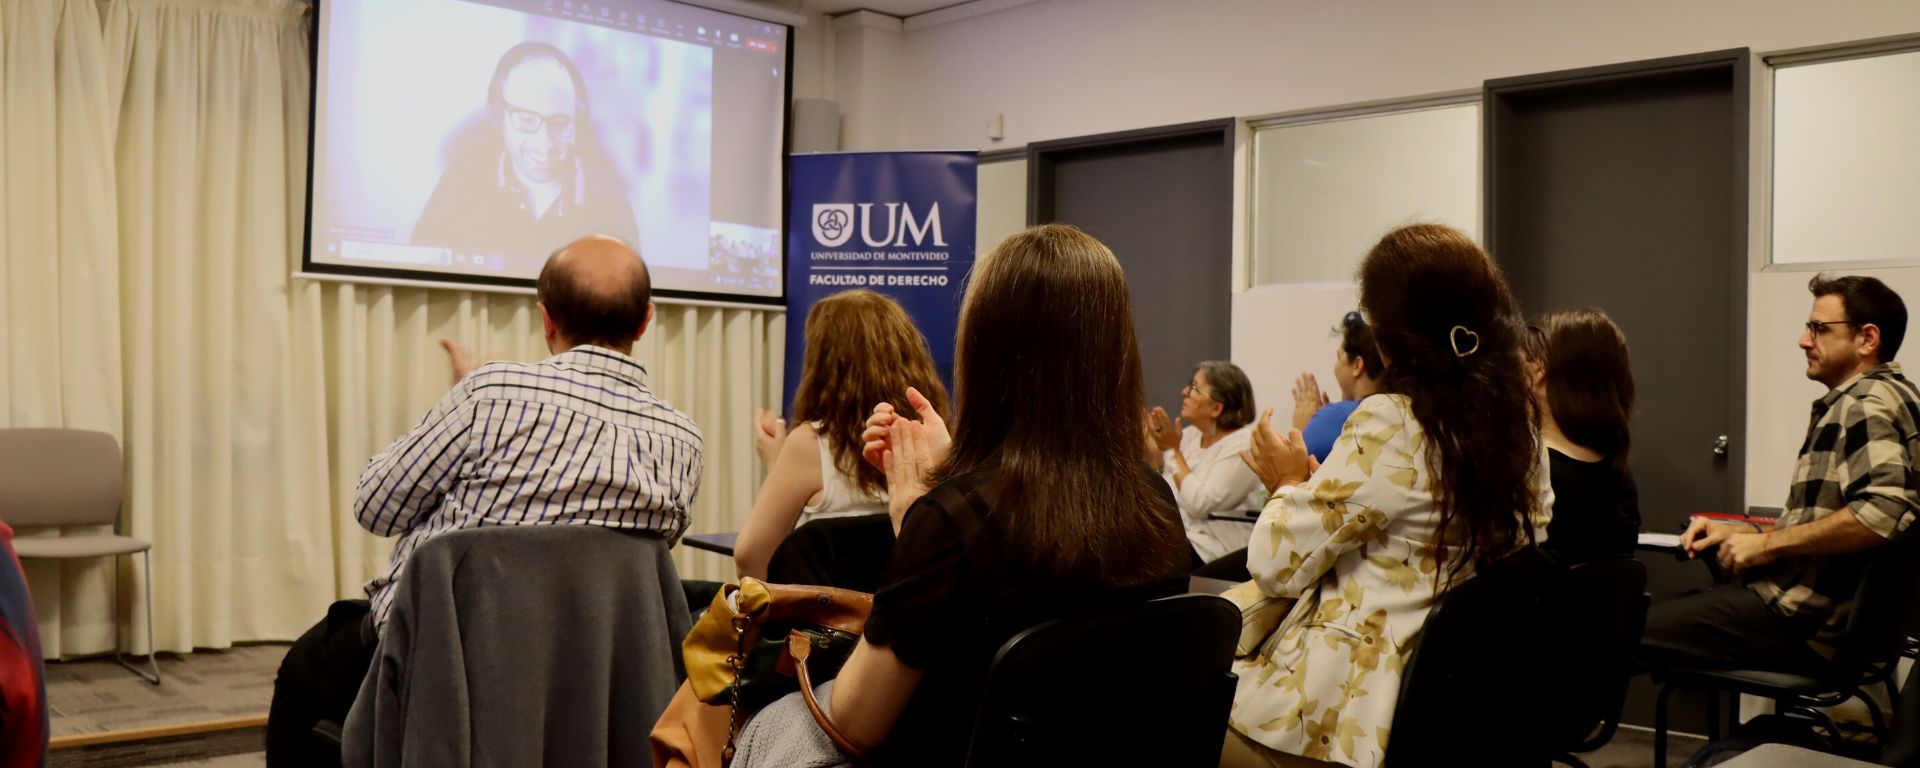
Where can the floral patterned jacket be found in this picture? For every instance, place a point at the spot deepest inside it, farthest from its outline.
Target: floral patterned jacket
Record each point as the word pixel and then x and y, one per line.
pixel 1355 546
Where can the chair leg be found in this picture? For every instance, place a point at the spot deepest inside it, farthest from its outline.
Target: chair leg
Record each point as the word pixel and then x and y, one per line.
pixel 1660 725
pixel 1713 714
pixel 152 673
pixel 1568 758
pixel 1879 720
pixel 1825 722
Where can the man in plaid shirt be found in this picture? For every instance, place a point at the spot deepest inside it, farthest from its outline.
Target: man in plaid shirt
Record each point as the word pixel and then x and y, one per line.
pixel 1854 490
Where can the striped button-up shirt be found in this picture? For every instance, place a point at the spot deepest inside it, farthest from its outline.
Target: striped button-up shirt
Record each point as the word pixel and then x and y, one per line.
pixel 1857 459
pixel 576 439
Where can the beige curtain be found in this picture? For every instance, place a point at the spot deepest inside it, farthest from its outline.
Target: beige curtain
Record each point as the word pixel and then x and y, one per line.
pixel 59 270
pixel 152 207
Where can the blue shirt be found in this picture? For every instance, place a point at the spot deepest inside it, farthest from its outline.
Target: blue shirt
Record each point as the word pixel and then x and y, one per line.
pixel 1325 426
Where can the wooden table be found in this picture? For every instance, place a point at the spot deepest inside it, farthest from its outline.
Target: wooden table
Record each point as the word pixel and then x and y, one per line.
pixel 721 543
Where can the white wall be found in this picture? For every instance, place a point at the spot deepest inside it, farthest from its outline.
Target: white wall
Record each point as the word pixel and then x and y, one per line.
pixel 1282 331
pixel 1002 206
pixel 812 73
pixel 1062 68
pixel 867 81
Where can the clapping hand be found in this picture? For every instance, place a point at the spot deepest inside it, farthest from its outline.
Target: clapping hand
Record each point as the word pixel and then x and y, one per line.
pixel 1166 433
pixel 769 433
pixel 878 435
pixel 910 454
pixel 1308 399
pixel 1278 460
pixel 461 360
pixel 1149 447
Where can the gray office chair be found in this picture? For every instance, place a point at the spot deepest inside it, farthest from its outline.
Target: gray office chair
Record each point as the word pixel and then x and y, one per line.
pixel 72 477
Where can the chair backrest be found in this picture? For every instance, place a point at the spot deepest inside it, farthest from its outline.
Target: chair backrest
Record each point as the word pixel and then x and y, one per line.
pixel 524 645
pixel 59 477
pixel 1148 684
pixel 1881 611
pixel 1476 688
pixel 1608 601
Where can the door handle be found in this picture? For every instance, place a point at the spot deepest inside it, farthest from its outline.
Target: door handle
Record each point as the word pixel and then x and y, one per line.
pixel 1720 445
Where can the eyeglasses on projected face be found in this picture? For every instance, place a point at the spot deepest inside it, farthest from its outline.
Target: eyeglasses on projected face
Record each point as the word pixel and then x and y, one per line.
pixel 529 121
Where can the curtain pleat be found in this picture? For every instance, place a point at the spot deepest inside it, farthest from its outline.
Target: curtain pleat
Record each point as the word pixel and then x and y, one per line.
pixel 60 342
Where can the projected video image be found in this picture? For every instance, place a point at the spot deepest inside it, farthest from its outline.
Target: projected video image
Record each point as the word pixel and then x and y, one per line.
pixel 742 253
pixel 474 138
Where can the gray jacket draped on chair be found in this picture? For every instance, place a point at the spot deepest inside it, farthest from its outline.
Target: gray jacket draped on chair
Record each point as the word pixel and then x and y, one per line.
pixel 518 646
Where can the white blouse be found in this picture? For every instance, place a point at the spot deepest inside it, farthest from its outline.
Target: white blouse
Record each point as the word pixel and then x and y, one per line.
pixel 840 494
pixel 1220 482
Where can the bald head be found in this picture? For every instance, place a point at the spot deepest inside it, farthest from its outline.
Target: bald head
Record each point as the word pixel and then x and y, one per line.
pixel 595 290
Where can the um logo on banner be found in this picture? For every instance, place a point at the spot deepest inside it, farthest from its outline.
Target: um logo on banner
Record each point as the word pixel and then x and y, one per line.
pixel 834 225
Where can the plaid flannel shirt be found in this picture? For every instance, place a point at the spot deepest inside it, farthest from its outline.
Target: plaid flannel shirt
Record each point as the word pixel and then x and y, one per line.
pixel 1857 457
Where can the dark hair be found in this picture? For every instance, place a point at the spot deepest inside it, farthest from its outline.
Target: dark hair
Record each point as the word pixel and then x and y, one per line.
pixel 1356 340
pixel 519 54
pixel 1868 302
pixel 1589 379
pixel 862 349
pixel 1046 328
pixel 604 314
pixel 1231 390
pixel 1449 330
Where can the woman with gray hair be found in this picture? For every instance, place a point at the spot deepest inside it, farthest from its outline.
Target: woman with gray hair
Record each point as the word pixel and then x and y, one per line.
pixel 1202 461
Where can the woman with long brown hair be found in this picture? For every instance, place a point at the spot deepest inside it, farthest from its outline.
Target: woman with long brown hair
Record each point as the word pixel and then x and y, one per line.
pixel 1583 376
pixel 1436 475
pixel 862 348
pixel 1027 513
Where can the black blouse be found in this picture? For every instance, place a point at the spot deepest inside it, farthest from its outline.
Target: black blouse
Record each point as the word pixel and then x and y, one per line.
pixel 951 597
pixel 1596 510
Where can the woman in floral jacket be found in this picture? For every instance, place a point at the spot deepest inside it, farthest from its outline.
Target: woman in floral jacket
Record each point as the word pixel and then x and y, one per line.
pixel 1438 473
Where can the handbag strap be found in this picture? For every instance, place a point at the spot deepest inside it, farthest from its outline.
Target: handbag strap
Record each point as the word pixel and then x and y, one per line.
pixel 799 646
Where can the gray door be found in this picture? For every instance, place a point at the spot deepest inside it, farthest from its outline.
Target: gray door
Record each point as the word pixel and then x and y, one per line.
pixel 1624 188
pixel 1162 199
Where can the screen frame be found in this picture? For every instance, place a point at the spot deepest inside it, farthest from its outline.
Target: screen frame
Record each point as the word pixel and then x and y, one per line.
pixel 439 280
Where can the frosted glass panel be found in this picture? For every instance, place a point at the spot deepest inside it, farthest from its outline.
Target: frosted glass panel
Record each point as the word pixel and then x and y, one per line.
pixel 1846 160
pixel 1325 192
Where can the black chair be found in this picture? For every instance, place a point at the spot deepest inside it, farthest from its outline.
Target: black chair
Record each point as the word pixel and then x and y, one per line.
pixel 1608 602
pixel 1148 684
pixel 1866 655
pixel 845 552
pixel 1487 661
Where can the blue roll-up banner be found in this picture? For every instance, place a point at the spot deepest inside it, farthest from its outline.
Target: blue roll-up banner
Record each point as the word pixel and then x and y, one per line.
pixel 897 223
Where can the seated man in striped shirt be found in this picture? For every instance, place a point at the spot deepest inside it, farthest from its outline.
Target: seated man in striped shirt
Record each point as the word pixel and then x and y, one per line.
pixel 577 438
pixel 1854 490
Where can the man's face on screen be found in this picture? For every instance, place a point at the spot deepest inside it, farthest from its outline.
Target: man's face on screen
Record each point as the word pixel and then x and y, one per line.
pixel 538 127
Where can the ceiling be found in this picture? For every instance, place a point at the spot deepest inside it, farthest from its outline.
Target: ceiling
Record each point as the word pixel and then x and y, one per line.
pixel 900 8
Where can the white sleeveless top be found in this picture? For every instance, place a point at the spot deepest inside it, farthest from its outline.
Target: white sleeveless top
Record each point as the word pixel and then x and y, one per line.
pixel 840 495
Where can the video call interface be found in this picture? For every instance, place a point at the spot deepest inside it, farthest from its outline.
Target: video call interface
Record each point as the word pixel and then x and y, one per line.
pixel 464 140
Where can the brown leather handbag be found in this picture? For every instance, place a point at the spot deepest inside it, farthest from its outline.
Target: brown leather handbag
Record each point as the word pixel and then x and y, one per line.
pixel 761 641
